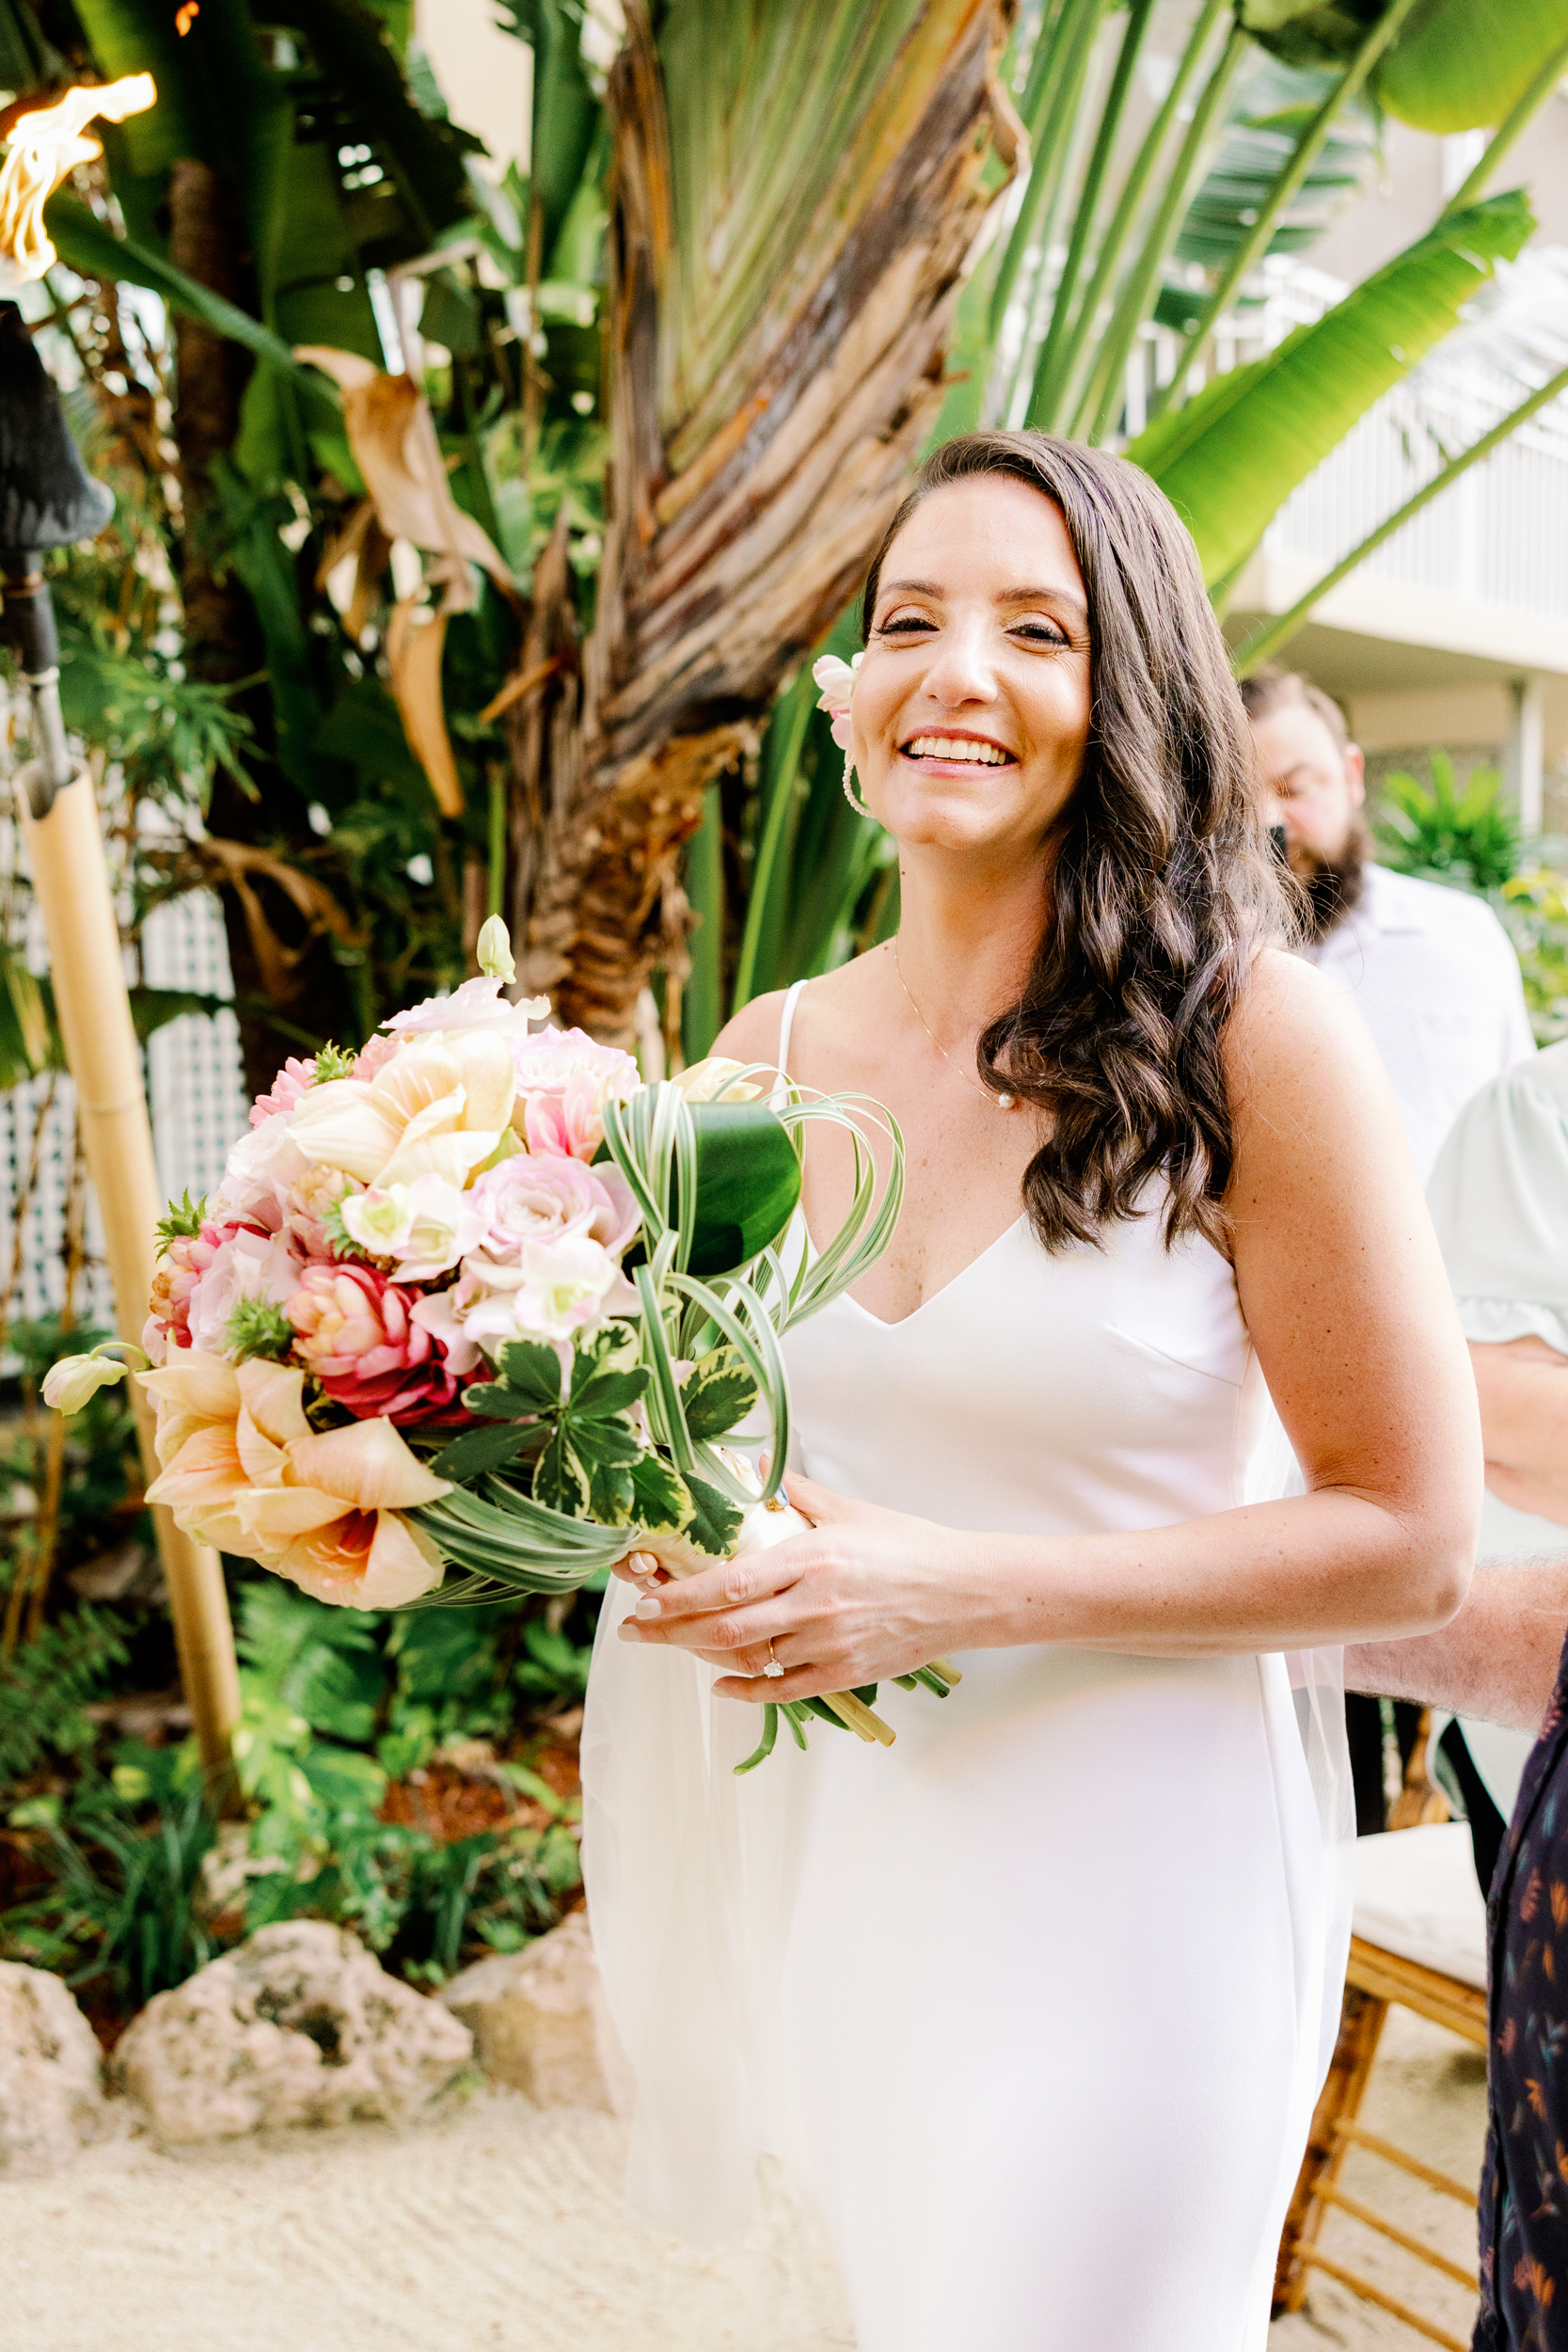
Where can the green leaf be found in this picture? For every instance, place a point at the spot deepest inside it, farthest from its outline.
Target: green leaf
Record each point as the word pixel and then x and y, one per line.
pixel 153 1008
pixel 1460 65
pixel 480 1450
pixel 534 1367
pixel 748 1185
pixel 344 1780
pixel 1234 455
pixel 610 1493
pixel 560 1481
pixel 715 1522
pixel 660 1496
pixel 719 1392
pixel 88 247
pixel 608 1393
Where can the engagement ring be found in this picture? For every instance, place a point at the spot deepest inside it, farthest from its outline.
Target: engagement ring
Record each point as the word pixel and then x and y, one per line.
pixel 772 1670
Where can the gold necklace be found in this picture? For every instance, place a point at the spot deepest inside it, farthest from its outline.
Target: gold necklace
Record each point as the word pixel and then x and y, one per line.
pixel 1002 1101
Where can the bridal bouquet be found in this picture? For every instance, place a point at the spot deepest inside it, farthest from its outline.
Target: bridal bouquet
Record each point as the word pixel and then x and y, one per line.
pixel 478 1299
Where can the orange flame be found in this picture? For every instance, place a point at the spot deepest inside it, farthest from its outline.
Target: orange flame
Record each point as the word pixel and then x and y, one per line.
pixel 185 16
pixel 45 144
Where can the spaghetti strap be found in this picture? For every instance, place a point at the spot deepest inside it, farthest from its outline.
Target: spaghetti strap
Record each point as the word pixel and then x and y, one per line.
pixel 786 1023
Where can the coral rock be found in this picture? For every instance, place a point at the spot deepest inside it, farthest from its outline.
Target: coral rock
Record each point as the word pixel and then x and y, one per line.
pixel 51 2096
pixel 538 2021
pixel 300 2025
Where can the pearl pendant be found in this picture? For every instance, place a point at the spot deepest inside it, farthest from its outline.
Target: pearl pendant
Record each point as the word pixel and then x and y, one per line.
pixel 1005 1102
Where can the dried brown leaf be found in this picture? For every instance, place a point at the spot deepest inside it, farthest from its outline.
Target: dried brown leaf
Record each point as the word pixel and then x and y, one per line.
pixel 416 637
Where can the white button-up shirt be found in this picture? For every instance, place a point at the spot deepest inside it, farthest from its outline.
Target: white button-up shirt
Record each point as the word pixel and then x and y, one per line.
pixel 1433 974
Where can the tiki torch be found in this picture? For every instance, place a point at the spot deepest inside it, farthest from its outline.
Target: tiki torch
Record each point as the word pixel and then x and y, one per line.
pixel 48 500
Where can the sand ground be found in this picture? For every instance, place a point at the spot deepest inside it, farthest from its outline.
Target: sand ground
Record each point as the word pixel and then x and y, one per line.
pixel 493 2228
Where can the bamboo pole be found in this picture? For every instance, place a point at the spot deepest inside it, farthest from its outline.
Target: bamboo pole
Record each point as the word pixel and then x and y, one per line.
pixel 71 884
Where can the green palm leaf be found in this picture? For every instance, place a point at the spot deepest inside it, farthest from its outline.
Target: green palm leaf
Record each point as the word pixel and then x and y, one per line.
pixel 1230 457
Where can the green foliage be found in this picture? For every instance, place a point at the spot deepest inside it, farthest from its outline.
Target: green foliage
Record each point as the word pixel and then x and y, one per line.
pixel 1236 451
pixel 1446 835
pixel 120 1908
pixel 1468 838
pixel 46 1684
pixel 1534 910
pixel 1461 65
pixel 336 1703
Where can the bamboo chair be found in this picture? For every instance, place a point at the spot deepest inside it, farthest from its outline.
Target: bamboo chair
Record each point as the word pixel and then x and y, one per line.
pixel 1418 1939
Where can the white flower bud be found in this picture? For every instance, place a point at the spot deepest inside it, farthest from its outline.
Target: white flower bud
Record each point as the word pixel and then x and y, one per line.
pixel 494 951
pixel 69 1384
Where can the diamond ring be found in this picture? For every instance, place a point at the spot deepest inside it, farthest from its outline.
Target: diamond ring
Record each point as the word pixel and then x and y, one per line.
pixel 772 1670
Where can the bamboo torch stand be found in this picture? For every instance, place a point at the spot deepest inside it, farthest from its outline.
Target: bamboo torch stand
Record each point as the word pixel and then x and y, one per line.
pixel 70 882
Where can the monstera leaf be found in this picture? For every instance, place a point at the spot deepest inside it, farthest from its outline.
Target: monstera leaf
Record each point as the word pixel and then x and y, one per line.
pixel 798 186
pixel 1230 458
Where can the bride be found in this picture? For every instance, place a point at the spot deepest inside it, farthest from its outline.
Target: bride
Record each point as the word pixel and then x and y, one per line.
pixel 1031 2004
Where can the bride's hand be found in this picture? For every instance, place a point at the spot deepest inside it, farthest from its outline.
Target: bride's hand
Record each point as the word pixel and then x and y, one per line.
pixel 868 1594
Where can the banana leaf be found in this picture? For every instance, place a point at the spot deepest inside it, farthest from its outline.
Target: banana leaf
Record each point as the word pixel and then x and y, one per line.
pixel 1460 65
pixel 1230 458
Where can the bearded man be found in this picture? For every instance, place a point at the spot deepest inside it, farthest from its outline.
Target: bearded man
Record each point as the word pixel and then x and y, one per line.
pixel 1432 970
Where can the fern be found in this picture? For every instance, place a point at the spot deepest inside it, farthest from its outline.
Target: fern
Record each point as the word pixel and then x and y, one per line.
pixel 45 1685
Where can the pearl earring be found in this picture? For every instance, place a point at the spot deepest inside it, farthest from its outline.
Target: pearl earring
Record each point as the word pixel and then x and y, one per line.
pixel 857 804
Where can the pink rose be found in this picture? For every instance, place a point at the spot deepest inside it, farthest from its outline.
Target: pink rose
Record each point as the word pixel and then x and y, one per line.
pixel 563 1081
pixel 538 1197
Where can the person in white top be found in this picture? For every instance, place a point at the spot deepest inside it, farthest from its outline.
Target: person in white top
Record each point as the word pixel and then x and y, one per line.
pixel 1499 1198
pixel 1430 969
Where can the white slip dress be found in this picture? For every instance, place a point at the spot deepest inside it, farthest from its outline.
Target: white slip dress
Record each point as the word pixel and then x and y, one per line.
pixel 1035 2004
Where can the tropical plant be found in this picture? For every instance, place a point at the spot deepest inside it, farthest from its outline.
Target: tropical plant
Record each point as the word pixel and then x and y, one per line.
pixel 1445 833
pixel 1138 228
pixel 731 273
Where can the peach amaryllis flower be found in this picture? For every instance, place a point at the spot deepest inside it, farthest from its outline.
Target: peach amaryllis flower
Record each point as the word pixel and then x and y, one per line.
pixel 243 1468
pixel 438 1107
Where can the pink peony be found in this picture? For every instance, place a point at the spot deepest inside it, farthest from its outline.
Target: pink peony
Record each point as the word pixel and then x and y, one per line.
pixel 358 1337
pixel 287 1087
pixel 563 1081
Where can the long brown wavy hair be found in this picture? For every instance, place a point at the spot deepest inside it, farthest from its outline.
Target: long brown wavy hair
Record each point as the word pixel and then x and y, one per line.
pixel 1162 887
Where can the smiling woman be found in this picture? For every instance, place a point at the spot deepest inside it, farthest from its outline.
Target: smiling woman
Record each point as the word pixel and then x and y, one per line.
pixel 1065 2099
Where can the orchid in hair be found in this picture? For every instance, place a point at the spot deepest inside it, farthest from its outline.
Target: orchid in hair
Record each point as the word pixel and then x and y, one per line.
pixel 836 681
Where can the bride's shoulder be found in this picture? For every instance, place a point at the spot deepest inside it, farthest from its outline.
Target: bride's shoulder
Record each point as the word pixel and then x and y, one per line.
pixel 1294 1037
pixel 822 1007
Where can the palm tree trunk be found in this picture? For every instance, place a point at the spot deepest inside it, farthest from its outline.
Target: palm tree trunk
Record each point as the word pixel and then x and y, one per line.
pixel 739 530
